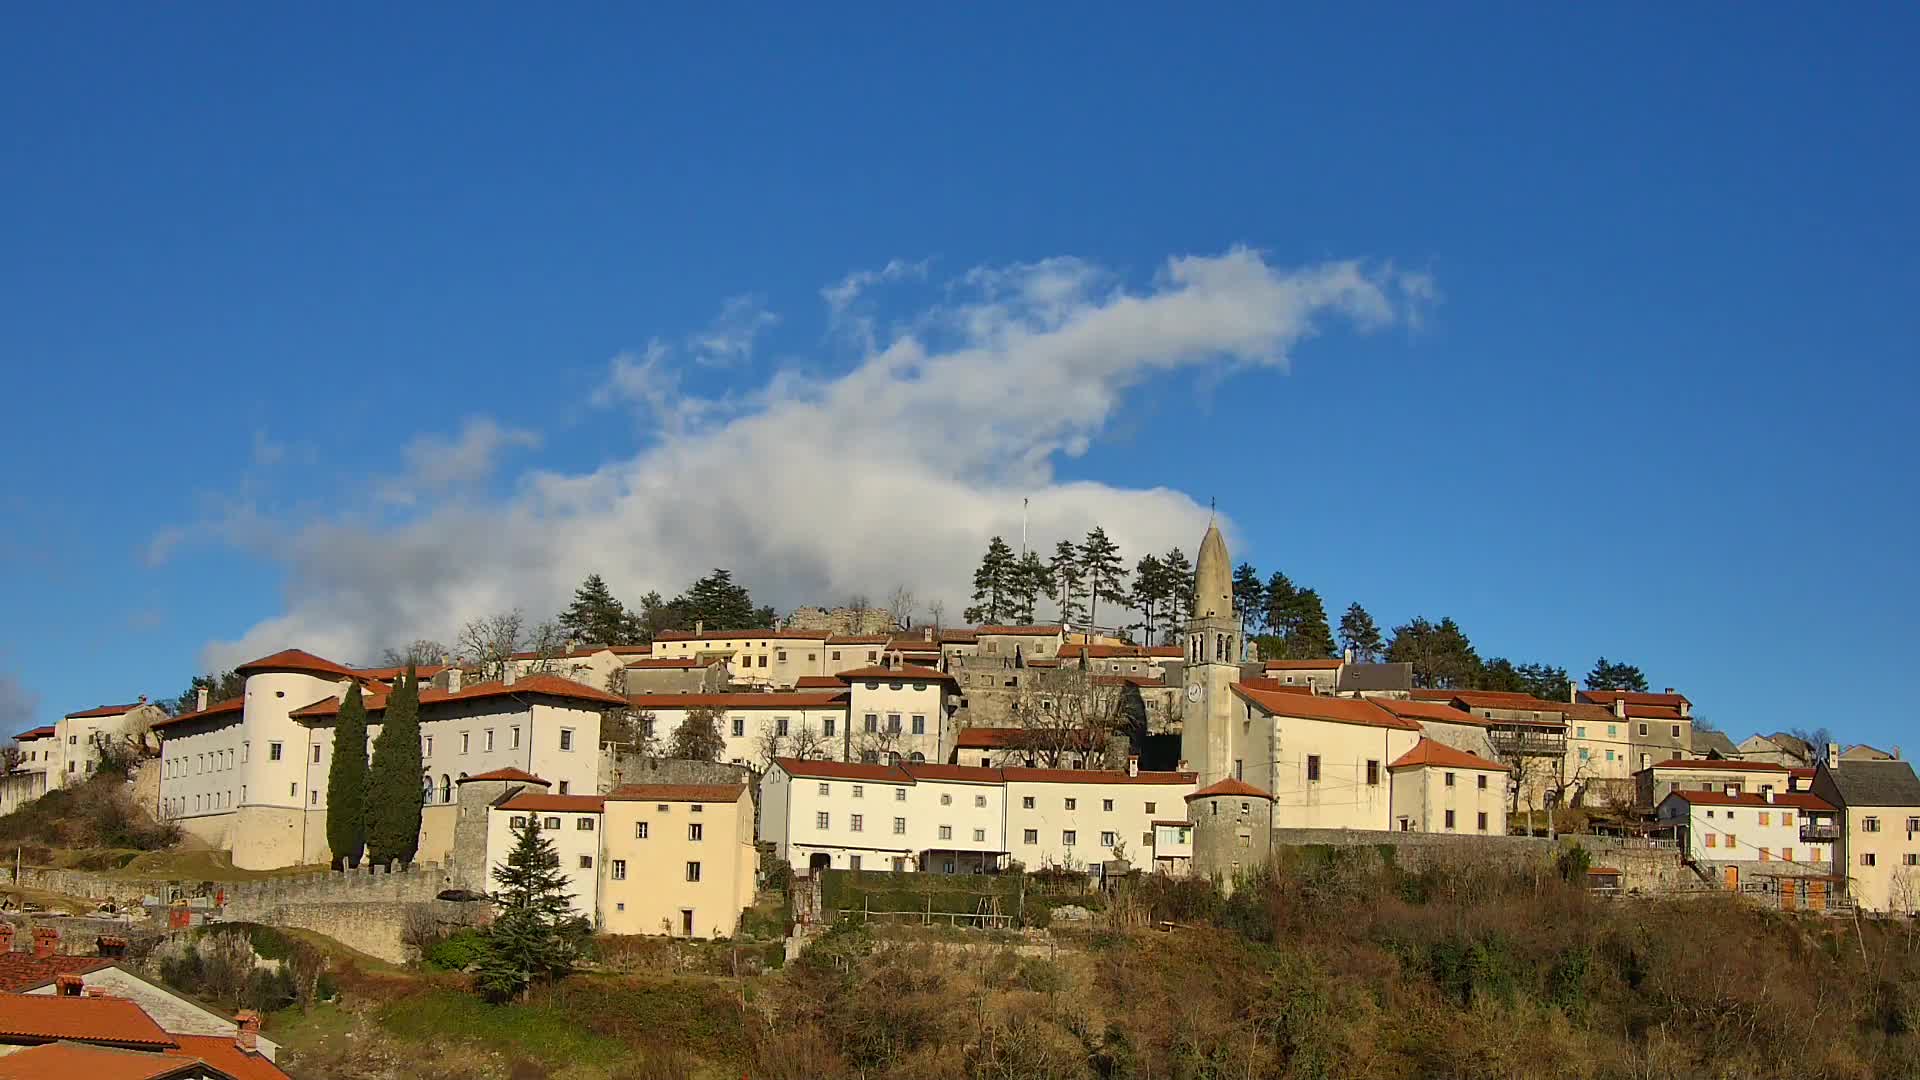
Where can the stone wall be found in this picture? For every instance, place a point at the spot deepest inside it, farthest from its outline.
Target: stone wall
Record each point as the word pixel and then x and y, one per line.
pixel 1414 850
pixel 619 767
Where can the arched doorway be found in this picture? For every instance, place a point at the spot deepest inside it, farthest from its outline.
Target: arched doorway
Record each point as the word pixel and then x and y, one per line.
pixel 819 861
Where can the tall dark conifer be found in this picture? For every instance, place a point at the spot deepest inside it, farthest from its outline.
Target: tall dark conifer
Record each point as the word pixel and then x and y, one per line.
pixel 347 783
pixel 393 786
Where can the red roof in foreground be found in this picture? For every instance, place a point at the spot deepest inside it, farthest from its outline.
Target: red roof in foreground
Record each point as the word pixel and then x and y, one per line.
pixel 555 804
pixel 23 971
pixel 842 770
pixel 1230 786
pixel 296 660
pixel 228 709
pixel 109 1020
pixel 818 682
pixel 1718 765
pixel 1017 631
pixel 703 793
pixel 104 710
pixel 1094 776
pixel 516 775
pixel 1428 710
pixel 70 1061
pixel 1330 709
pixel 549 685
pixel 38 733
pixel 1792 800
pixel 1439 754
pixel 220 1052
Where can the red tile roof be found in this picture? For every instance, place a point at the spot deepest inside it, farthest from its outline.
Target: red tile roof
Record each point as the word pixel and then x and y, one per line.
pixel 388 674
pixel 1653 712
pixel 1261 682
pixel 220 1052
pixel 107 1020
pixel 701 793
pixel 1017 631
pixel 842 770
pixel 555 804
pixel 1302 665
pixel 37 733
pixel 1432 752
pixel 296 660
pixel 227 710
pixel 859 639
pixel 1121 652
pixel 1330 709
pixel 735 701
pixel 1000 738
pixel 1793 800
pixel 544 684
pixel 959 637
pixel 970 774
pixel 1631 697
pixel 1427 710
pixel 23 971
pixel 1718 765
pixel 1094 776
pixel 519 776
pixel 741 635
pixel 669 663
pixel 818 682
pixel 903 673
pixel 104 710
pixel 71 1061
pixel 1491 699
pixel 1229 786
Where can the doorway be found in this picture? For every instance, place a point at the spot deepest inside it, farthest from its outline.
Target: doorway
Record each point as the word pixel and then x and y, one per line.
pixel 819 861
pixel 1733 878
pixel 686 922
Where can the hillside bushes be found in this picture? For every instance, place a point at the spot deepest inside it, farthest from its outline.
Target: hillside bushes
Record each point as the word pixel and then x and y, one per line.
pixel 98 812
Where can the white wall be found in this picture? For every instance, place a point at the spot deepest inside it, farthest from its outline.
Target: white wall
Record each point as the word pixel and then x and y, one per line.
pixel 570 841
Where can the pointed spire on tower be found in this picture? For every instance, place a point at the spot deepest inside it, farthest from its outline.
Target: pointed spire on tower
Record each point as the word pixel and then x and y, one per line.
pixel 1213 577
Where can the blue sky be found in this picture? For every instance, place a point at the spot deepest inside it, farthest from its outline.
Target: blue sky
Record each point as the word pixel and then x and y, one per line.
pixel 1592 330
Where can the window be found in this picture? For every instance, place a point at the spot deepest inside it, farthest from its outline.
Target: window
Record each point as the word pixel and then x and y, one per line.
pixel 586 862
pixel 639 830
pixel 697 832
pixel 1913 824
pixel 856 822
pixel 780 657
pixel 1866 858
pixel 1449 779
pixel 780 726
pixel 859 791
pixel 293 790
pixel 244 747
pixel 489 740
pixel 899 826
pixel 1871 824
pixel 1482 778
pixel 273 751
pixel 1150 808
pixel 1073 804
pixel 1766 818
pixel 946 799
pixel 919 725
pixel 980 836
pixel 893 722
pixel 836 654
pixel 1067 838
pixel 583 824
pixel 466 741
pixel 1313 768
pixel 821 820
pixel 1579 733
pixel 1766 855
pixel 518 822
pixel 696 808
pixel 313 797
pixel 1786 854
pixel 1676 731
pixel 552 823
pixel 763 660
pixel 979 800
pixel 693 871
pixel 618 870
pixel 1107 805
pixel 1613 730
pixel 1449 821
pixel 899 794
pixel 824 789
pixel 427 746
pixel 739 726
pixel 1732 841
pixel 1239 773
pixel 1030 836
pixel 1910 859
pixel 1483 821
pixel 1108 839
pixel 515 729
pixel 564 784
pixel 1711 840
pixel 1373 772
pixel 1643 731
pixel 828 722
pixel 316 753
pixel 946 832
pixel 566 738
pixel 1026 802
pixel 873 723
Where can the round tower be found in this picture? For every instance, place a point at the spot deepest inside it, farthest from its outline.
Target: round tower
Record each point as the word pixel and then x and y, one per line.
pixel 277 776
pixel 1207 730
pixel 1232 830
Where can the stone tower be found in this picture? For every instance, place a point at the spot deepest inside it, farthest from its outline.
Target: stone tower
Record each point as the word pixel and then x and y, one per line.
pixel 1232 830
pixel 1213 665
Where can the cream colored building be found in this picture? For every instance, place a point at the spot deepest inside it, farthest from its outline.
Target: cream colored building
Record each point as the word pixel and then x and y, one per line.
pixel 1655 782
pixel 755 727
pixel 572 823
pixel 679 860
pixel 68 751
pixel 1718 827
pixel 1322 675
pixel 1323 759
pixel 1439 789
pixel 1080 818
pixel 771 658
pixel 900 713
pixel 1878 850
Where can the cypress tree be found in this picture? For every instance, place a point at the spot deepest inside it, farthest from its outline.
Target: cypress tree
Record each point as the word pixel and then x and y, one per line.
pixel 393 785
pixel 347 783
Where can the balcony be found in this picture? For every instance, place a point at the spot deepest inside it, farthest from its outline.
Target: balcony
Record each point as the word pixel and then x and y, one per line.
pixel 1819 832
pixel 1532 743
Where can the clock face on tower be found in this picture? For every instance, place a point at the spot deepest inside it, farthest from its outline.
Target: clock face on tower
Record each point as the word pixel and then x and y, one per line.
pixel 1193 692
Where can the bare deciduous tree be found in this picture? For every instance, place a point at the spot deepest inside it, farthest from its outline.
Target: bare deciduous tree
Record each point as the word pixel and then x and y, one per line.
pixel 491 640
pixel 1064 714
pixel 936 614
pixel 900 607
pixel 417 651
pixel 808 744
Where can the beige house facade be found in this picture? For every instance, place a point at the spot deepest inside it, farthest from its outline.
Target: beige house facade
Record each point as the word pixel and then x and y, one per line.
pixel 1323 759
pixel 1439 789
pixel 1878 850
pixel 679 860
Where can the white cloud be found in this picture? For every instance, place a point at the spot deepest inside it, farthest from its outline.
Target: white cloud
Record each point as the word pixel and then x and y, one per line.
pixel 437 465
pixel 896 471
pixel 729 339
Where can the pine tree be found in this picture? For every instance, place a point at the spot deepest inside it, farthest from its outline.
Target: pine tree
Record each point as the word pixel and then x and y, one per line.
pixel 1441 655
pixel 719 603
pixel 1250 596
pixel 1064 571
pixel 347 783
pixel 1606 676
pixel 1030 582
pixel 595 616
pixel 698 737
pixel 393 783
pixel 1500 675
pixel 1309 638
pixel 1106 575
pixel 1280 595
pixel 1179 592
pixel 1358 632
pixel 535 936
pixel 993 585
pixel 1149 592
pixel 1546 681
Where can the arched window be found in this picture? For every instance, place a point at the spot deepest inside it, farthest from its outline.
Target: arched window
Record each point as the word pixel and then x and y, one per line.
pixel 918 758
pixel 426 787
pixel 893 757
pixel 446 788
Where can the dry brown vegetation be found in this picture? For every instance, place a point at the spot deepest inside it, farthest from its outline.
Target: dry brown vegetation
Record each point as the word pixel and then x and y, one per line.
pixel 1340 965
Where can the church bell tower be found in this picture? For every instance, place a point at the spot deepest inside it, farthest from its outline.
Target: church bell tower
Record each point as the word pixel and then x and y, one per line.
pixel 1207 739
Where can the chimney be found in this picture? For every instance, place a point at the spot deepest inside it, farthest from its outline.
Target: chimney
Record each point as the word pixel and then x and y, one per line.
pixel 454 675
pixel 1133 764
pixel 1346 656
pixel 1768 792
pixel 1833 755
pixel 1620 707
pixel 699 627
pixel 96 991
pixel 1182 766
pixel 46 942
pixel 201 695
pixel 508 672
pixel 929 632
pixel 6 937
pixel 246 1035
pixel 1573 691
pixel 143 699
pixel 1668 691
pixel 68 985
